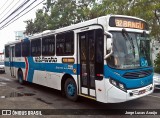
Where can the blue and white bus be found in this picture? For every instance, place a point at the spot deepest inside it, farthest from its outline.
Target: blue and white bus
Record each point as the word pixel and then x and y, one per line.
pixel 106 59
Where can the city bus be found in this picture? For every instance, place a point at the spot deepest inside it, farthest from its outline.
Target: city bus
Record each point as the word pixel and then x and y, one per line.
pixel 106 59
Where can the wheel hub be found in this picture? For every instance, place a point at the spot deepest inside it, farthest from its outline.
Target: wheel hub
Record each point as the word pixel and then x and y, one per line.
pixel 71 89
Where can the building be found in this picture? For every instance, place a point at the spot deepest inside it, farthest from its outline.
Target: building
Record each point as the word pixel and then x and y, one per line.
pixel 19 35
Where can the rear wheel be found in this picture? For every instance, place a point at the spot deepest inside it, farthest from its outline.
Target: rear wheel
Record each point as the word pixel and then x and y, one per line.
pixel 71 89
pixel 20 77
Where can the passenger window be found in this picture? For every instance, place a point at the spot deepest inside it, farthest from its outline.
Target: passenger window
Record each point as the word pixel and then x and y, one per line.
pixel 18 50
pixel 36 47
pixel 6 51
pixel 65 44
pixel 48 46
pixel 26 48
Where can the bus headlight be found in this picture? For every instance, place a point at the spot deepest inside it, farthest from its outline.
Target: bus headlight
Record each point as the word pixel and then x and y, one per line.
pixel 121 86
pixel 118 84
pixel 113 82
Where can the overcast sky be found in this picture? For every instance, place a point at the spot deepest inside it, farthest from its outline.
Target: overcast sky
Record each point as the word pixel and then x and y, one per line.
pixel 8 33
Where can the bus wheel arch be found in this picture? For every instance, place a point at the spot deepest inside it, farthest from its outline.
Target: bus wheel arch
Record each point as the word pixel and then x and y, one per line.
pixel 20 76
pixel 69 87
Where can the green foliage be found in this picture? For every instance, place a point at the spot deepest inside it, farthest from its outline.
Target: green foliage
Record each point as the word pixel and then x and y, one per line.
pixel 38 25
pixel 146 9
pixel 157 64
pixel 29 27
pixel 40 21
pixel 61 13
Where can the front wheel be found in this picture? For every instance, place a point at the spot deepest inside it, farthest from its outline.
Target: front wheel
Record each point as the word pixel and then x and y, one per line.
pixel 71 89
pixel 20 77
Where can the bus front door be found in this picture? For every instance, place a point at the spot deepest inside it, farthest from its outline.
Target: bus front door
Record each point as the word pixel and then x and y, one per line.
pixel 12 53
pixel 89 65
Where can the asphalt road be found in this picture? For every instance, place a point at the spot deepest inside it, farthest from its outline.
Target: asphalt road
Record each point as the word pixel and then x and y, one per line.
pixel 32 96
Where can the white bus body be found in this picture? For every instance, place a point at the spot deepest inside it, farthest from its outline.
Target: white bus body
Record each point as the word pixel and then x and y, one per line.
pixel 75 66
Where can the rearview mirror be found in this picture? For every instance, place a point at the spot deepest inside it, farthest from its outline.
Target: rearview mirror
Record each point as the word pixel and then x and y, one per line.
pixel 109 41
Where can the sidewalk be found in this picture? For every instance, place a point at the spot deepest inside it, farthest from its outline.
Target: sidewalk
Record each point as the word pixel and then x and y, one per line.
pixel 156 79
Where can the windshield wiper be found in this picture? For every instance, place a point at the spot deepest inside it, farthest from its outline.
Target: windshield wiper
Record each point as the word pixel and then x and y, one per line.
pixel 127 37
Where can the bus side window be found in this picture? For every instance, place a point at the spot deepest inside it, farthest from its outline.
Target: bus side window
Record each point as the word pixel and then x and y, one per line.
pixel 65 44
pixel 36 47
pixel 6 51
pixel 18 50
pixel 48 46
pixel 26 48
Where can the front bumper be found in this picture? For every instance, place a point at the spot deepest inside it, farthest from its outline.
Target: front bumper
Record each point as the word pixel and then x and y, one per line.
pixel 116 95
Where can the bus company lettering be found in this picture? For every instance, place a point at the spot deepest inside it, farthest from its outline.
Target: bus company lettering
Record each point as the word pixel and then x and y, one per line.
pixel 129 24
pixel 45 59
pixel 65 67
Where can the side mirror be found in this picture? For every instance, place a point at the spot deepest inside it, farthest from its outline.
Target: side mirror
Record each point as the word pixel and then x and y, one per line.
pixel 109 42
pixel 144 34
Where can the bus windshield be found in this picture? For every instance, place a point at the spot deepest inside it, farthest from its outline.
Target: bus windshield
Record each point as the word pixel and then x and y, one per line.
pixel 130 50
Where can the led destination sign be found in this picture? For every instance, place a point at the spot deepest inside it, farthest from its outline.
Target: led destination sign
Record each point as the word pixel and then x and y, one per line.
pixel 127 23
pixel 130 24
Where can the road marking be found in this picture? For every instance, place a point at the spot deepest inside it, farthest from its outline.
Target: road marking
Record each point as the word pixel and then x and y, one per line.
pixel 154 96
pixel 2 96
pixel 6 79
pixel 2 83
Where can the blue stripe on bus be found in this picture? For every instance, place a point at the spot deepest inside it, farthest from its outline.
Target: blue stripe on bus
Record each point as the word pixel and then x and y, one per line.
pixel 49 67
pixel 129 83
pixel 63 68
pixel 15 64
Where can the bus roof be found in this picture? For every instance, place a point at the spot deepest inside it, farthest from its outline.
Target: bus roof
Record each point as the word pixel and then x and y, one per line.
pixel 75 26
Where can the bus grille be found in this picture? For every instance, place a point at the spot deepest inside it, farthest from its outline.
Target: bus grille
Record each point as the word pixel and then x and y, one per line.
pixel 137 74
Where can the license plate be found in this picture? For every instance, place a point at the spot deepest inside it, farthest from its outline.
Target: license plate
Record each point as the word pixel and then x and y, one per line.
pixel 141 92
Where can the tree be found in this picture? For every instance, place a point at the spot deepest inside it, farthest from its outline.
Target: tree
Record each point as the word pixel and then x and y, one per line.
pixel 61 13
pixel 40 22
pixel 145 9
pixel 157 64
pixel 29 27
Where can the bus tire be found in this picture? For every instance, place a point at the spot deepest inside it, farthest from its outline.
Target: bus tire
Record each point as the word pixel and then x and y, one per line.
pixel 20 77
pixel 71 89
